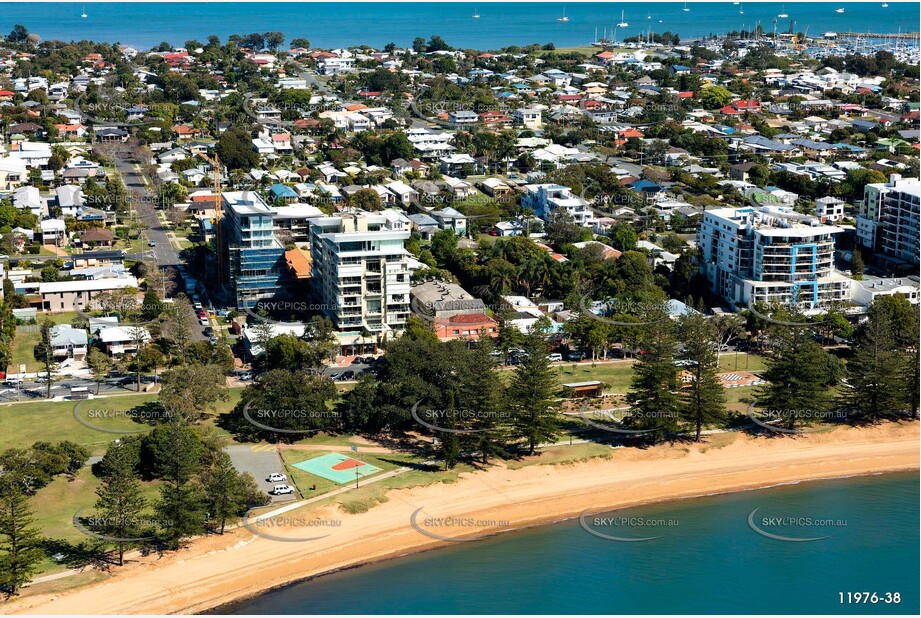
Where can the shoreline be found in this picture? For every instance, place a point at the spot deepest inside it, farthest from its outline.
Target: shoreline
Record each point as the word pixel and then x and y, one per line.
pixel 219 609
pixel 201 579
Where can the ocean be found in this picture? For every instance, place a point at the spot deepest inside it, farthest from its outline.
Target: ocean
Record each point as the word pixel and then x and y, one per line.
pixel 144 24
pixel 708 559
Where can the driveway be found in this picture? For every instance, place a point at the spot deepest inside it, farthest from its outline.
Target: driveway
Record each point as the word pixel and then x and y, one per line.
pixel 260 460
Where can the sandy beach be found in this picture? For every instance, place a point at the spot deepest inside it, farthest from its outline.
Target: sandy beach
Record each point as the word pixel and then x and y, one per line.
pixel 217 570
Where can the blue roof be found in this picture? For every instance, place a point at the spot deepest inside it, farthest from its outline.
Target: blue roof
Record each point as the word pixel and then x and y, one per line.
pixel 280 190
pixel 645 185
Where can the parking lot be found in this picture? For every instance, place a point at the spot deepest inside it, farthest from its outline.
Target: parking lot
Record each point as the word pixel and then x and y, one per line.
pixel 260 460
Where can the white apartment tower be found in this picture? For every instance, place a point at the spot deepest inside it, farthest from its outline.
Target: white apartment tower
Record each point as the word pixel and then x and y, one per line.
pixel 770 254
pixel 360 271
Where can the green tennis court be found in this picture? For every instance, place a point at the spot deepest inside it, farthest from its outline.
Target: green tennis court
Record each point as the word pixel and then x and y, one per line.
pixel 337 468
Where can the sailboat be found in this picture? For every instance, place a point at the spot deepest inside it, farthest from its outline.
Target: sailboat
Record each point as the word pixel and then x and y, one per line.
pixel 83 14
pixel 623 23
pixel 685 9
pixel 741 11
pixel 885 5
pixel 476 14
pixel 783 11
pixel 563 18
pixel 839 10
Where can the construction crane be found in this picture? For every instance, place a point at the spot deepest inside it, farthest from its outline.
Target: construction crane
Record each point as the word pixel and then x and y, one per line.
pixel 218 210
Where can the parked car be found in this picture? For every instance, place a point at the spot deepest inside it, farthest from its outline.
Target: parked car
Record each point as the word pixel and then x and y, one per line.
pixel 203 321
pixel 212 340
pixel 358 360
pixel 13 382
pixel 245 376
pixel 276 477
pixel 575 356
pixel 151 243
pixel 279 490
pixel 335 376
pixel 348 375
pixel 41 379
pixel 555 357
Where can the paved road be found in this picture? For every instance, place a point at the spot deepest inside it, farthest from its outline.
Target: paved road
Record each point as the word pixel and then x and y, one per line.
pixel 34 391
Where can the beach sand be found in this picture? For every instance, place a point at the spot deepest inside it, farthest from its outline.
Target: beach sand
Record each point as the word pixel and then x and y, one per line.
pixel 217 570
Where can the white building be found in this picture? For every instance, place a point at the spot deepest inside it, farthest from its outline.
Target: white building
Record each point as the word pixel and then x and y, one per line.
pixel 773 255
pixel 543 199
pixel 895 210
pixel 829 209
pixel 360 271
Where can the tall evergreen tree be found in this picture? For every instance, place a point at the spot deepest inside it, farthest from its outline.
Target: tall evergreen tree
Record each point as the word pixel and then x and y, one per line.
pixel 797 374
pixel 177 454
pixel 44 354
pixel 121 501
pixel 532 395
pixel 653 396
pixel 226 490
pixel 874 369
pixel 703 401
pixel 20 542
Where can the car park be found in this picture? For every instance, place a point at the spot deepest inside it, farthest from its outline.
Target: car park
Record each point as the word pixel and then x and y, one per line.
pixel 276 477
pixel 279 490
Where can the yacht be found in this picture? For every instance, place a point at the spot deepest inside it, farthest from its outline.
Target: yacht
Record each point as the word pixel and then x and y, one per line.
pixel 685 9
pixel 623 23
pixel 83 14
pixel 839 10
pixel 563 18
pixel 476 14
pixel 783 11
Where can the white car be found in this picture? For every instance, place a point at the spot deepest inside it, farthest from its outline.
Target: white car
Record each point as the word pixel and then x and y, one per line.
pixel 556 357
pixel 203 321
pixel 277 477
pixel 279 490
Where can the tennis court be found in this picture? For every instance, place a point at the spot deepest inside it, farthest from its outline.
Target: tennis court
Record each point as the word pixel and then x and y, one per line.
pixel 337 468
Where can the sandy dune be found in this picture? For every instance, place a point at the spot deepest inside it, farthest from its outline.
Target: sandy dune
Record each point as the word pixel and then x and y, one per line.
pixel 213 571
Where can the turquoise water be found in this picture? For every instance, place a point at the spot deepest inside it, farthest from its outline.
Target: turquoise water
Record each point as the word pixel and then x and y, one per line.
pixel 709 562
pixel 500 24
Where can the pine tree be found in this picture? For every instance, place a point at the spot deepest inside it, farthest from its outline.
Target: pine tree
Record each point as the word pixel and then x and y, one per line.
pixel 120 498
pixel 653 394
pixel 225 490
pixel 797 374
pixel 483 396
pixel 181 508
pixel 703 401
pixel 20 543
pixel 532 394
pixel 874 371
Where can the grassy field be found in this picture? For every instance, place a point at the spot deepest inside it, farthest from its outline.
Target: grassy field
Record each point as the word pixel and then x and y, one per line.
pixel 54 507
pixel 22 424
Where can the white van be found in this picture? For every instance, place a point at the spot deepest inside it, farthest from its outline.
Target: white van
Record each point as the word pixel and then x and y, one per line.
pixel 555 357
pixel 278 490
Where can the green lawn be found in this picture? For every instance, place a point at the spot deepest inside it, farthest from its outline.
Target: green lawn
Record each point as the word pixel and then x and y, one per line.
pixel 22 424
pixel 54 507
